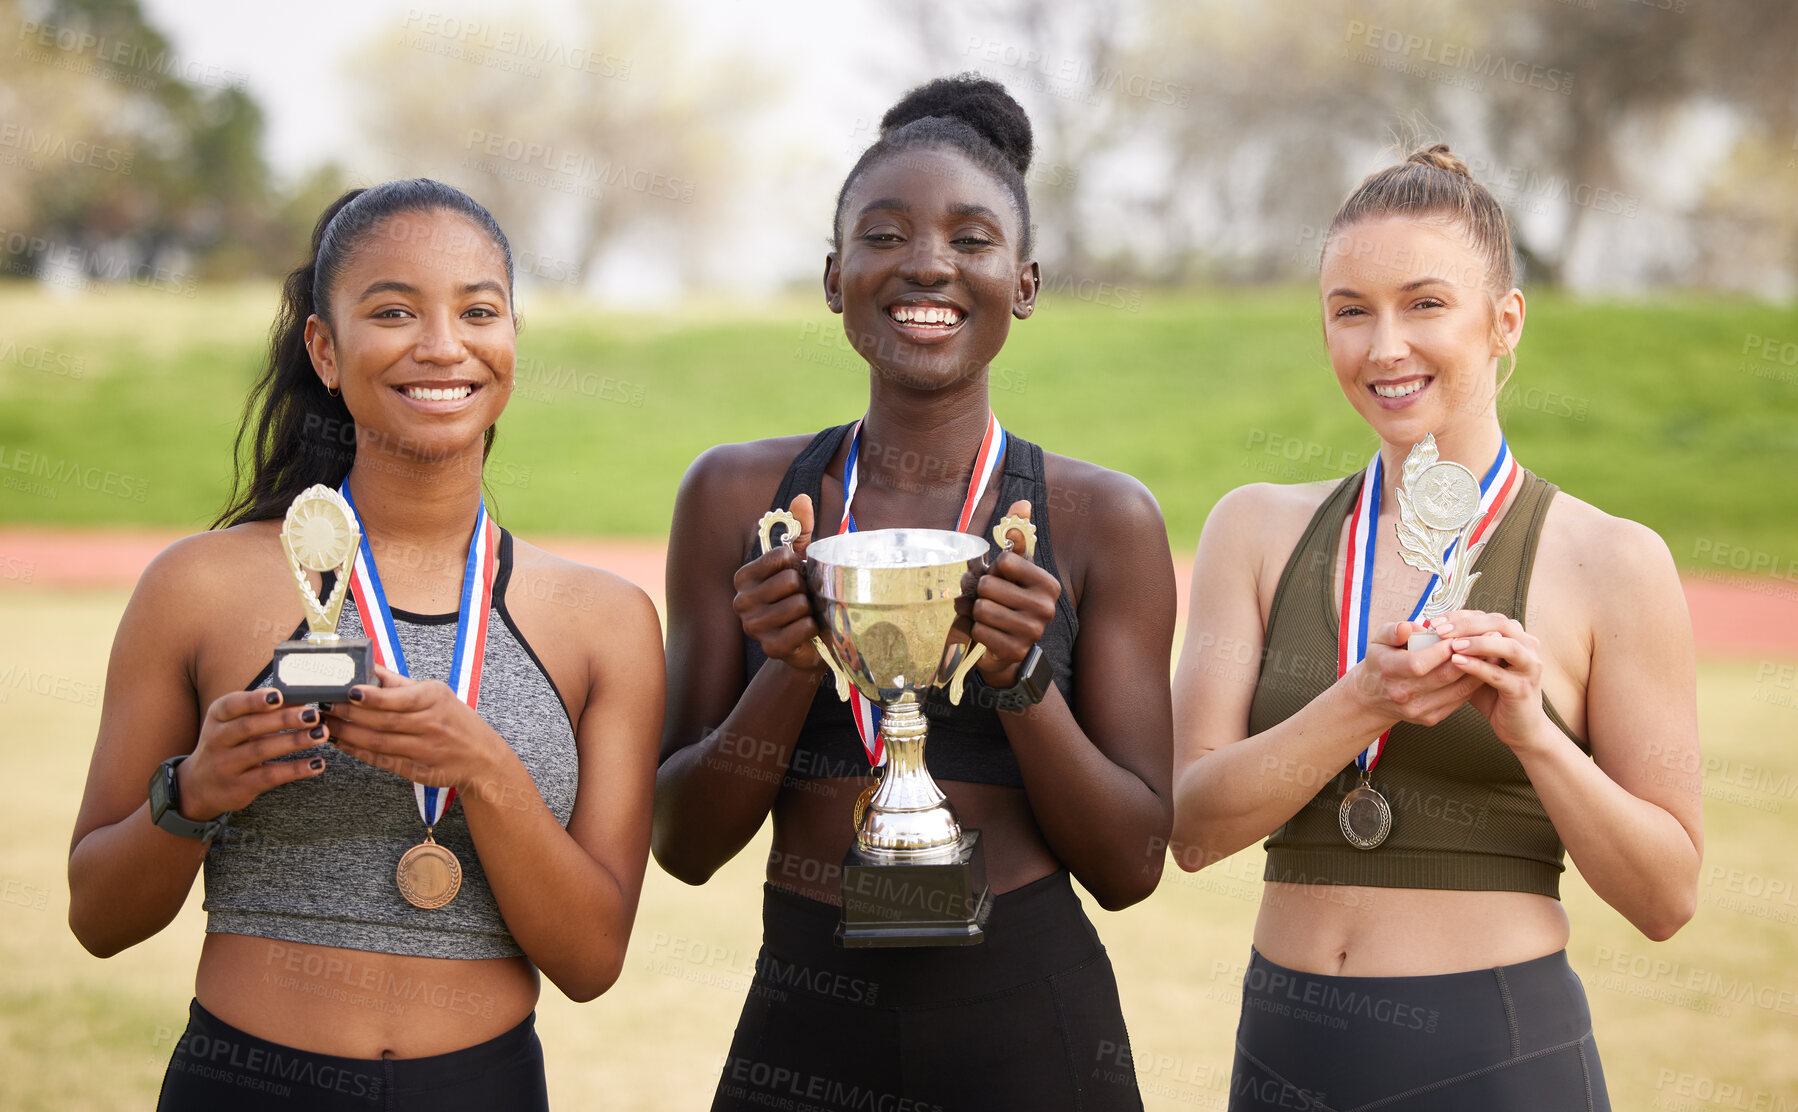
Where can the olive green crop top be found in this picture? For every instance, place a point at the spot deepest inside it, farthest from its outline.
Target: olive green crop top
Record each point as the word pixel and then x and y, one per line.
pixel 1464 815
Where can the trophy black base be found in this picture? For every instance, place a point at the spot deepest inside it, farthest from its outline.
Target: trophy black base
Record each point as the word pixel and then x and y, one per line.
pixel 887 903
pixel 322 671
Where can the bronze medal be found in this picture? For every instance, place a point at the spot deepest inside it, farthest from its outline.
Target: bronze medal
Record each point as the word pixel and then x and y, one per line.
pixel 1365 817
pixel 861 802
pixel 429 875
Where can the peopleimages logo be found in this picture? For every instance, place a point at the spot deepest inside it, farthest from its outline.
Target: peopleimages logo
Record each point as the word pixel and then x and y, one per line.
pixel 1412 48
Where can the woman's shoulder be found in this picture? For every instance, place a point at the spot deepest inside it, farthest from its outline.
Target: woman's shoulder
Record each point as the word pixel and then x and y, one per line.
pixel 1114 500
pixel 202 586
pixel 581 591
pixel 1267 513
pixel 1610 555
pixel 200 563
pixel 729 472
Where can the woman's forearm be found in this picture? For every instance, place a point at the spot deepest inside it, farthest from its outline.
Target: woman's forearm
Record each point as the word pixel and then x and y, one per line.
pixel 567 911
pixel 127 881
pixel 1236 795
pixel 1102 820
pixel 1636 855
pixel 713 795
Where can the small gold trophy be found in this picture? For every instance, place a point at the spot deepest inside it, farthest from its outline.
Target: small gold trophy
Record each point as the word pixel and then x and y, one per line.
pixel 1438 502
pixel 319 534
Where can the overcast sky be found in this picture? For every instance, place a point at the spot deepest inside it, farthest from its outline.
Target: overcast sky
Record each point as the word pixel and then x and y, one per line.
pixel 296 70
pixel 296 65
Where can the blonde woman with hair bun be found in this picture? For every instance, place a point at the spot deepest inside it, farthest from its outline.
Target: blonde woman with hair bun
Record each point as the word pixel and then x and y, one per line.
pixel 1411 949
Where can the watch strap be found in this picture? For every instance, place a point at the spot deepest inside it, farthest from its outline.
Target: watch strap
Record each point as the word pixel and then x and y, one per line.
pixel 1035 677
pixel 165 806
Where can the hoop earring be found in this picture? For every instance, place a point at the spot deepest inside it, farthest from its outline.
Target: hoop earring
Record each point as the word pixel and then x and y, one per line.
pixel 331 390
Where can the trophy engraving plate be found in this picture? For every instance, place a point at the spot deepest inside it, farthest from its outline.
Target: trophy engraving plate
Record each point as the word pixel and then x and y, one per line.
pixel 319 534
pixel 330 669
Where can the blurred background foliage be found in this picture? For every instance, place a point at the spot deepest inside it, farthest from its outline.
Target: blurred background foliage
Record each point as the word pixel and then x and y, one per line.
pixel 1637 143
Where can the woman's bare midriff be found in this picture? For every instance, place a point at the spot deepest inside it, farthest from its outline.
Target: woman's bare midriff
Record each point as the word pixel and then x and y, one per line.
pixel 812 832
pixel 357 1004
pixel 1353 931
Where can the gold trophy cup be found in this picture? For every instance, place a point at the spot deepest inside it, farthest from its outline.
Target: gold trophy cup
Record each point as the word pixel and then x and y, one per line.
pixel 895 607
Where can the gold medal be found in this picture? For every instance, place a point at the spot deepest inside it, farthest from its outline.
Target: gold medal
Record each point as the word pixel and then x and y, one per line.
pixel 429 875
pixel 1365 816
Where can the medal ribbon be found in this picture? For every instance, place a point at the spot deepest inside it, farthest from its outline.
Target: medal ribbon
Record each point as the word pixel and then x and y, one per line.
pixel 986 461
pixel 471 627
pixel 1357 575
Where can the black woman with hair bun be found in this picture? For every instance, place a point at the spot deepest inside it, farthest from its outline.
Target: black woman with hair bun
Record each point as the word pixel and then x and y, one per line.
pixel 932 263
pixel 332 976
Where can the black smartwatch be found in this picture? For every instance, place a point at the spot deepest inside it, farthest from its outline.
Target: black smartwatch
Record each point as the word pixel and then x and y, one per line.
pixel 165 805
pixel 1035 678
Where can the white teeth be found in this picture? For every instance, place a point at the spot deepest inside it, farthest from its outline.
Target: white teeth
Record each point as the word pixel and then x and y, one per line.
pixel 433 394
pixel 1400 390
pixel 925 314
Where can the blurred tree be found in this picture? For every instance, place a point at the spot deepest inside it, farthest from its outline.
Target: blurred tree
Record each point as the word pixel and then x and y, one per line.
pixel 579 137
pixel 124 158
pixel 1605 127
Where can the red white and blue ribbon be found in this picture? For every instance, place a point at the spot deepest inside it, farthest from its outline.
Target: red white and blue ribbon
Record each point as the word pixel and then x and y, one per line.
pixel 471 627
pixel 1357 576
pixel 986 462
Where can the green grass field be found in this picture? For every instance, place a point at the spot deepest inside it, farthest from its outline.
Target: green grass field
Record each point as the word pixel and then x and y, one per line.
pixel 120 407
pixel 1710 1012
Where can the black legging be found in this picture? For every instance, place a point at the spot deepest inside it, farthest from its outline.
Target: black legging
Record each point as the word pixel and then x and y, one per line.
pixel 1027 1019
pixel 218 1068
pixel 1492 1040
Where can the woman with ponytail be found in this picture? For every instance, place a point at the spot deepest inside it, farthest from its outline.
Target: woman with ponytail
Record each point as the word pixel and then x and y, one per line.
pixel 1418 787
pixel 323 984
pixel 932 261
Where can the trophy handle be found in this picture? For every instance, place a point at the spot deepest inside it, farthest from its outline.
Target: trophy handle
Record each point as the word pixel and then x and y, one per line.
pixel 959 677
pixel 764 529
pixel 1022 525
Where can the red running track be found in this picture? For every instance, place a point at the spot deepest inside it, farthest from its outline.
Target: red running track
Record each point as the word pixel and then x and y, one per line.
pixel 1731 615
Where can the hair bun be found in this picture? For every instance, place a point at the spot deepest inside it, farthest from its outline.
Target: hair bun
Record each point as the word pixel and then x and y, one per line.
pixel 1439 156
pixel 981 103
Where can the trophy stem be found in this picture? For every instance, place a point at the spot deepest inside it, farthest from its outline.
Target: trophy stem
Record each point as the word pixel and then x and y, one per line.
pixel 909 818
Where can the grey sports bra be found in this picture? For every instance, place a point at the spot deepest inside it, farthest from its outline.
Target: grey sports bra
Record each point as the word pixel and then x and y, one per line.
pixel 313 861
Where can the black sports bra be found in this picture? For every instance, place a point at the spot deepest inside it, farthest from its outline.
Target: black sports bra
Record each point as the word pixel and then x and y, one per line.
pixel 967 742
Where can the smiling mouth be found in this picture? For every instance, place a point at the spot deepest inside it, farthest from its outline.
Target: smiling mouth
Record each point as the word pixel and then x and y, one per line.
pixel 1399 389
pixel 422 393
pixel 942 317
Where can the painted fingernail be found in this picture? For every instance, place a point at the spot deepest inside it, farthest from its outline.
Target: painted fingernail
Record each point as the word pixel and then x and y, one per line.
pixel 316 764
pixel 309 716
pixel 355 694
pixel 326 707
pixel 1461 643
pixel 317 733
pixel 272 698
